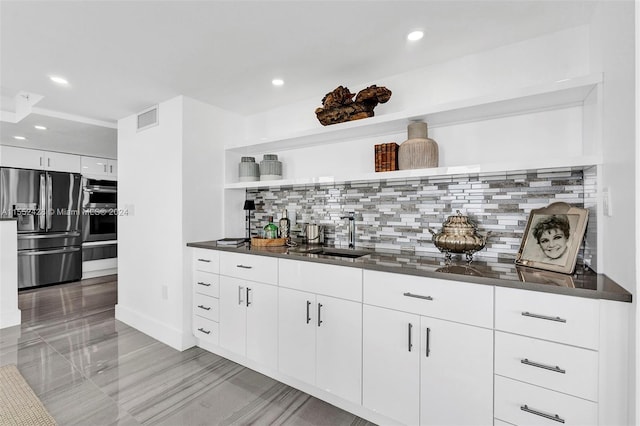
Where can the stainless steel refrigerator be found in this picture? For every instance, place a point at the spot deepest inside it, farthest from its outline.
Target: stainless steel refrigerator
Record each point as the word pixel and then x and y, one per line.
pixel 47 208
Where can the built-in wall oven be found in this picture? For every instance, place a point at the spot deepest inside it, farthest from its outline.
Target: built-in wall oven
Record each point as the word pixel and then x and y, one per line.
pixel 99 219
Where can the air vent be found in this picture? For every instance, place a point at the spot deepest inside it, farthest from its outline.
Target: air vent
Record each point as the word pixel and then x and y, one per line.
pixel 148 118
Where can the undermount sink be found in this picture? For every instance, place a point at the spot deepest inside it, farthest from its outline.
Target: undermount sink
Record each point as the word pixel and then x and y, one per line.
pixel 349 253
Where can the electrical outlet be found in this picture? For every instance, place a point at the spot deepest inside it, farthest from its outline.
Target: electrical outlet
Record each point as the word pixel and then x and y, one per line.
pixel 606 202
pixel 165 292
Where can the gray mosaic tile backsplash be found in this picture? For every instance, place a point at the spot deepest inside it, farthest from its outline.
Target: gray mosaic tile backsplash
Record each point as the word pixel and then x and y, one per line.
pixel 397 215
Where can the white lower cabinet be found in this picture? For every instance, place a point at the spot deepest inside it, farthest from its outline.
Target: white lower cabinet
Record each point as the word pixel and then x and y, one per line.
pixel 320 342
pixel 456 374
pixel 249 319
pixel 421 370
pixel 391 364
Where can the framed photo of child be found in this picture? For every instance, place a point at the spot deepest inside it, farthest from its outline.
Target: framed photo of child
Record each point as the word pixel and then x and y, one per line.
pixel 553 237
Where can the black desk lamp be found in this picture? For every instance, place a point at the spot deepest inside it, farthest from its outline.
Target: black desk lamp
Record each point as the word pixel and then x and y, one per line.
pixel 248 206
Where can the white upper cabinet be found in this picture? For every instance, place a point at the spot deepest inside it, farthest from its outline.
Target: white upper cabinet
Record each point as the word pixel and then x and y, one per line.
pixel 101 168
pixel 24 158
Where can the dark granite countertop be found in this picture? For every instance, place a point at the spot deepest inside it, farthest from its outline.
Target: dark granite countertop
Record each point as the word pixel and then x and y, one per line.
pixel 7 218
pixel 503 273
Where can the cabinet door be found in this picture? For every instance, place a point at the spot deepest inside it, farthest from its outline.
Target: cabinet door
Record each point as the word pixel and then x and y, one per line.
pixel 339 347
pixel 113 168
pixel 62 162
pixel 95 166
pixel 262 323
pixel 456 374
pixel 296 334
pixel 22 158
pixel 233 315
pixel 391 363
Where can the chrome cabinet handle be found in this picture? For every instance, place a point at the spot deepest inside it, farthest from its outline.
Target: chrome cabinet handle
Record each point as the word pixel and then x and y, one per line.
pixel 204 284
pixel 111 169
pixel 244 266
pixel 204 260
pixel 554 417
pixel 40 161
pixel 544 317
pixel 410 343
pixel 48 162
pixel 546 367
pixel 248 290
pixel 105 168
pixel 319 320
pixel 206 308
pixel 428 351
pixel 204 331
pixel 417 296
pixel 308 316
pixel 240 301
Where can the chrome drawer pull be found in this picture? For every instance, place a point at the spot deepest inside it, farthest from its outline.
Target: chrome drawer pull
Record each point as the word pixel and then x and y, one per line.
pixel 204 260
pixel 244 266
pixel 204 284
pixel 409 328
pixel 417 296
pixel 546 367
pixel 544 317
pixel 204 331
pixel 204 307
pixel 554 417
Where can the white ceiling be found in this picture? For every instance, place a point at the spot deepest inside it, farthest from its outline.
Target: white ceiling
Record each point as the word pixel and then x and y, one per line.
pixel 123 56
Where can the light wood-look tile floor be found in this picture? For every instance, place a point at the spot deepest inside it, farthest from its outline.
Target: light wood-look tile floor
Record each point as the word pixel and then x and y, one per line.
pixel 90 369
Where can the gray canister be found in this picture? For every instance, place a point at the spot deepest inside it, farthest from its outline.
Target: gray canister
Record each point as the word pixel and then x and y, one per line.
pixel 270 167
pixel 249 170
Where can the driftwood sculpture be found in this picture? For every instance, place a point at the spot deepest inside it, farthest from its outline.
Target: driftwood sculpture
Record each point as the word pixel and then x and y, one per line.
pixel 338 106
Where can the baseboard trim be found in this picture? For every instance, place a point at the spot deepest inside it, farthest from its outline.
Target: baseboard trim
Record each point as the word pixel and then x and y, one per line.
pixel 10 319
pixel 160 331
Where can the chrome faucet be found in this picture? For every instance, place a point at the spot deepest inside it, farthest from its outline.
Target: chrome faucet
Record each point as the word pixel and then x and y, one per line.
pixel 352 228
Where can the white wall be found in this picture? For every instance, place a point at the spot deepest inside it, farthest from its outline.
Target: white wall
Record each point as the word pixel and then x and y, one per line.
pixel 150 267
pixel 170 180
pixel 613 50
pixel 552 57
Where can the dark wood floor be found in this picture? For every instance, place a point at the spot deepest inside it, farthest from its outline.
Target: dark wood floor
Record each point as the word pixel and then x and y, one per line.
pixel 90 369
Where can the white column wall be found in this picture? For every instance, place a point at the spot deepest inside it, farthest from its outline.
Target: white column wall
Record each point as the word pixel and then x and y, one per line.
pixel 150 244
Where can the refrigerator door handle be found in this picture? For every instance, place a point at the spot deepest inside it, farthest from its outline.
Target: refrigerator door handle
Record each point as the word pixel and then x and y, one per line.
pixel 43 203
pixel 49 201
pixel 42 236
pixel 42 252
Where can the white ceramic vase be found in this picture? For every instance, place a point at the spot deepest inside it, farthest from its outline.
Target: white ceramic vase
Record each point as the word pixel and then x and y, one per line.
pixel 418 151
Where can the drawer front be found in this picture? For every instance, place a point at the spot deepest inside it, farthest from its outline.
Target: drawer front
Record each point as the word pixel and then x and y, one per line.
pixel 320 278
pixel 206 260
pixel 527 405
pixel 206 283
pixel 564 319
pixel 563 368
pixel 206 306
pixel 205 329
pixel 450 300
pixel 249 267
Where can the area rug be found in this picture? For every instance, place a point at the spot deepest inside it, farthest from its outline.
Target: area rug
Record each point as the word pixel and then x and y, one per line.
pixel 18 404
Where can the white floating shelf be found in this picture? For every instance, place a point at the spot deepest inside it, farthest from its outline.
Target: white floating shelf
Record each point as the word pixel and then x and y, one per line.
pixel 493 168
pixel 560 94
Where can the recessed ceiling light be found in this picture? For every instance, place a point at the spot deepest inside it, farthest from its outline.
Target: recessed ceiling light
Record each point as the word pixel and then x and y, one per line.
pixel 415 35
pixel 37 126
pixel 277 82
pixel 20 138
pixel 59 80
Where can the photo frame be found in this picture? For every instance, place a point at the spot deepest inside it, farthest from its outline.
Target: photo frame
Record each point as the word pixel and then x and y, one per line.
pixel 553 237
